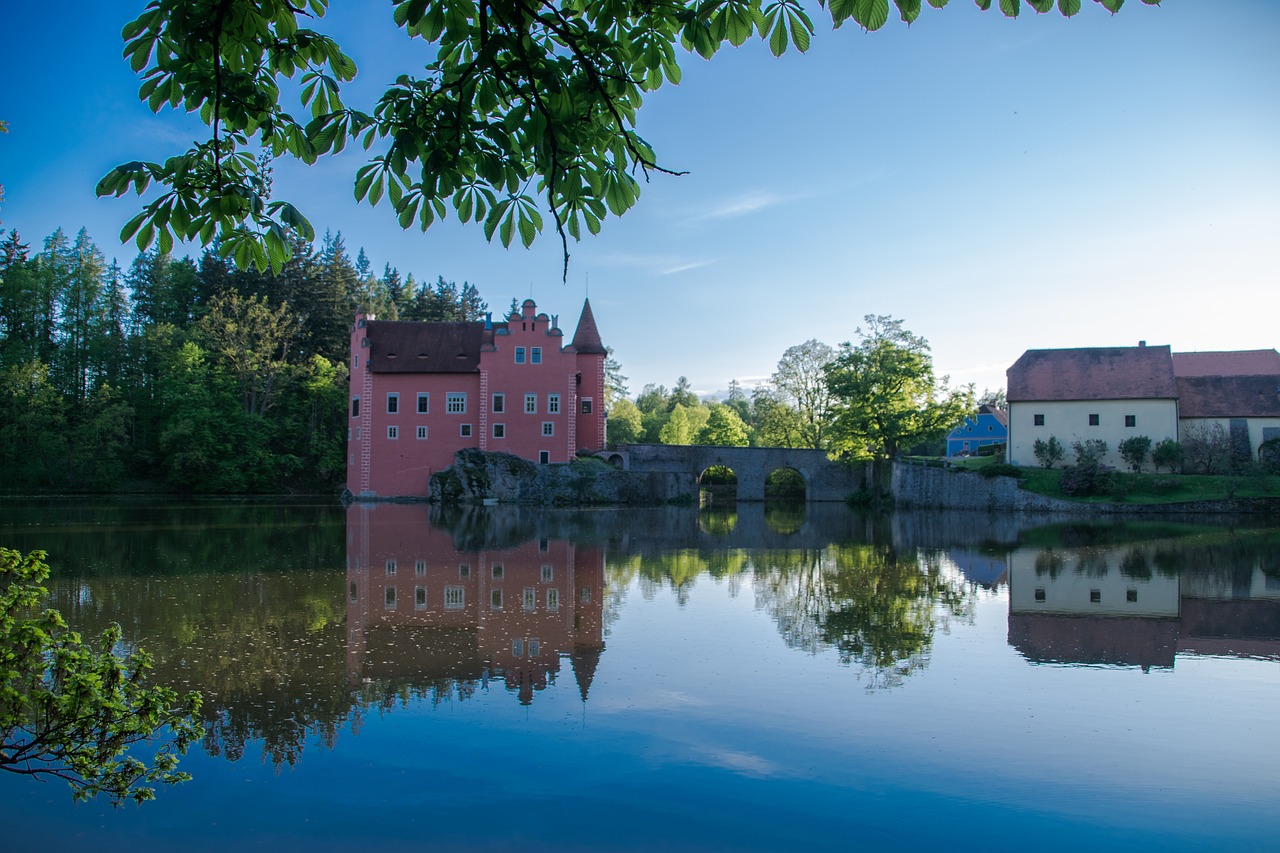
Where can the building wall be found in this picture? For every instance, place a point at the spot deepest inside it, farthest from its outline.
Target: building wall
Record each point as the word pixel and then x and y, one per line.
pixel 972 434
pixel 389 455
pixel 1069 421
pixel 1256 427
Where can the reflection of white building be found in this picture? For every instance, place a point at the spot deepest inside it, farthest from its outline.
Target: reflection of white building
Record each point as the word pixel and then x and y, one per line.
pixel 983 569
pixel 1106 606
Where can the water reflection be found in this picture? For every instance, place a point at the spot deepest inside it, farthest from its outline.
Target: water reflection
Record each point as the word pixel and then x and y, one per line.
pixel 297 622
pixel 1116 595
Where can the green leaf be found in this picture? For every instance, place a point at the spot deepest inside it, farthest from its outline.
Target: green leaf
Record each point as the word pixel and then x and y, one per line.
pixel 1069 8
pixel 871 14
pixel 908 10
pixel 508 228
pixel 1041 6
pixel 1010 8
pixel 1112 6
pixel 778 38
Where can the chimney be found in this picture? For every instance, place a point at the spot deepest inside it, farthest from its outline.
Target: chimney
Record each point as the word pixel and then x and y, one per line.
pixel 1142 343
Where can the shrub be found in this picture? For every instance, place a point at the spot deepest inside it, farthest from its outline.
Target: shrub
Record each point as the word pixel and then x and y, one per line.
pixel 1163 485
pixel 1207 448
pixel 1168 455
pixel 1269 455
pixel 1134 451
pixel 1000 469
pixel 1091 478
pixel 996 450
pixel 1048 453
pixel 1089 452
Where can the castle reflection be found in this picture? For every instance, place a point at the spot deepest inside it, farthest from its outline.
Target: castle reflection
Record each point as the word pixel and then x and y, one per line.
pixel 421 608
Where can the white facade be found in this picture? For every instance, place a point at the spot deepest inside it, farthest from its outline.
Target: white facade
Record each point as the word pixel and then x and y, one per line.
pixel 1072 421
pixel 1256 427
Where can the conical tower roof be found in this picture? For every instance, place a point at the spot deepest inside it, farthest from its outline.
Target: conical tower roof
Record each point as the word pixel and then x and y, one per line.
pixel 587 337
pixel 585 659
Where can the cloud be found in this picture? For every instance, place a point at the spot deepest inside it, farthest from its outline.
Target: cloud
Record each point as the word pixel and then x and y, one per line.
pixel 744 763
pixel 741 206
pixel 657 700
pixel 685 267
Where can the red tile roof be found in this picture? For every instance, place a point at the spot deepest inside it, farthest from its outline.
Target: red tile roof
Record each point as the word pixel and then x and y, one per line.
pixel 407 347
pixel 1229 396
pixel 1254 362
pixel 1092 373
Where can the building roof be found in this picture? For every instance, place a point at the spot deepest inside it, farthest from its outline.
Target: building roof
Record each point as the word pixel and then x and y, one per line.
pixel 1229 396
pixel 1092 373
pixel 1253 362
pixel 587 337
pixel 1001 416
pixel 408 347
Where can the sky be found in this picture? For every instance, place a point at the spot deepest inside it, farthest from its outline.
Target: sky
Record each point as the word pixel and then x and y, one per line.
pixel 998 185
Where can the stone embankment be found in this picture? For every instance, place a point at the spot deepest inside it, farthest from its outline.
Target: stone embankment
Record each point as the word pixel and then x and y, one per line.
pixel 914 485
pixel 480 477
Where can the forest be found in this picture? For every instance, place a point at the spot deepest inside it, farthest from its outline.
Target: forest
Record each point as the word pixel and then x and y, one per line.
pixel 186 375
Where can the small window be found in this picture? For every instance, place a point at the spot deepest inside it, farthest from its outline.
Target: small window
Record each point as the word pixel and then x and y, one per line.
pixel 464 570
pixel 391 568
pixel 517 648
pixel 519 355
pixel 455 403
pixel 390 598
pixel 393 432
pixel 499 403
pixel 464 430
pixel 553 600
pixel 499 430
pixel 353 593
pixel 355 407
pixel 544 457
pixel 497 571
pixel 584 595
pixel 586 405
pixel 553 404
pixel 529 598
pixel 495 599
pixel 424 404
pixel 419 597
pixel 535 647
pixel 548 428
pixel 544 545
pixel 357 433
pixel 535 355
pixel 1094 420
pixel 1131 595
pixel 455 597
pixel 420 568
pixel 530 404
pixel 393 403
pixel 1039 593
pixel 422 433
pixel 1038 420
pixel 1095 596
pixel 548 573
pixel 1131 420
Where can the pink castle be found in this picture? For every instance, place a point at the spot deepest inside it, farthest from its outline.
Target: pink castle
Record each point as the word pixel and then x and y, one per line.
pixel 420 392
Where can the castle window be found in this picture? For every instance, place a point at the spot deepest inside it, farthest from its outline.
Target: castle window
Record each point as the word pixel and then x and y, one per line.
pixel 464 430
pixel 517 648
pixel 530 404
pixel 419 597
pixel 553 404
pixel 389 599
pixel 553 600
pixel 393 403
pixel 586 405
pixel 495 599
pixel 499 430
pixel 548 428
pixel 355 407
pixel 422 433
pixel 548 573
pixel 424 404
pixel 455 403
pixel 535 647
pixel 496 570
pixel 519 355
pixel 544 457
pixel 499 403
pixel 464 570
pixel 391 568
pixel 529 598
pixel 535 355
pixel 455 597
pixel 393 432
pixel 420 568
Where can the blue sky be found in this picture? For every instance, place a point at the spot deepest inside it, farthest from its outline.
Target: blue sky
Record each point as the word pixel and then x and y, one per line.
pixel 997 184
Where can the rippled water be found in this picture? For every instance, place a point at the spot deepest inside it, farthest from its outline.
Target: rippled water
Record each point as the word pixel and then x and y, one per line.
pixel 394 677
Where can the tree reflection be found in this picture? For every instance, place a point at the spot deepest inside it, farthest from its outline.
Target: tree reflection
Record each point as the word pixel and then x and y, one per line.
pixel 877 608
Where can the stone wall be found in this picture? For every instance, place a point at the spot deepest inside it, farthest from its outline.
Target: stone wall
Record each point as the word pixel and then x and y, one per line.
pixel 477 477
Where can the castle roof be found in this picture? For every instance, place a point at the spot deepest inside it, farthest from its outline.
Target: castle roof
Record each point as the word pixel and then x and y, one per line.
pixel 409 347
pixel 1092 373
pixel 586 339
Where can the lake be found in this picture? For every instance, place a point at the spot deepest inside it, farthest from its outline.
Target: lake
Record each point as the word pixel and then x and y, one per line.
pixel 399 677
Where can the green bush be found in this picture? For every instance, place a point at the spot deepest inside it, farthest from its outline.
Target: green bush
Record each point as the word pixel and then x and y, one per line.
pixel 1000 469
pixel 1167 454
pixel 1090 478
pixel 1163 485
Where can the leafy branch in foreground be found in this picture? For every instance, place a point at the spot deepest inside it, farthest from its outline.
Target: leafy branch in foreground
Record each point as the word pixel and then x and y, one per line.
pixel 527 105
pixel 77 711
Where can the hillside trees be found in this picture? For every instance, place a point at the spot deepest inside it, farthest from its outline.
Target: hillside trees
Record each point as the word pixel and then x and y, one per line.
pixel 801 382
pixel 524 109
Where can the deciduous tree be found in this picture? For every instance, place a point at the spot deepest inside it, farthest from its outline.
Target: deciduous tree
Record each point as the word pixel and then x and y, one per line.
pixel 885 393
pixel 525 107
pixel 802 383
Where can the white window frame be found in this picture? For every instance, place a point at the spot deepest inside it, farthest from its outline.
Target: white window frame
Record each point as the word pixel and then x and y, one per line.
pixel 529 598
pixel 424 402
pixel 389 598
pixel 419 598
pixel 393 432
pixel 355 406
pixel 391 568
pixel 553 600
pixel 464 430
pixel 455 402
pixel 548 573
pixel 530 404
pixel 548 429
pixel 455 597
pixel 420 568
pixel 495 599
pixel 393 402
pixel 519 355
pixel 535 355
pixel 553 404
pixel 499 430
pixel 422 432
pixel 587 406
pixel 499 404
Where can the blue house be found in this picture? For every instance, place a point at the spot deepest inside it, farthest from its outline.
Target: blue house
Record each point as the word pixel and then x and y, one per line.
pixel 990 426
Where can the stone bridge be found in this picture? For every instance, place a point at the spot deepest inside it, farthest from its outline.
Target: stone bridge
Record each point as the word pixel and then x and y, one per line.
pixel 824 480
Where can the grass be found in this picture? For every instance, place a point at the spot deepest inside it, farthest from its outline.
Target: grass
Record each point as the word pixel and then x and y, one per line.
pixel 1146 488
